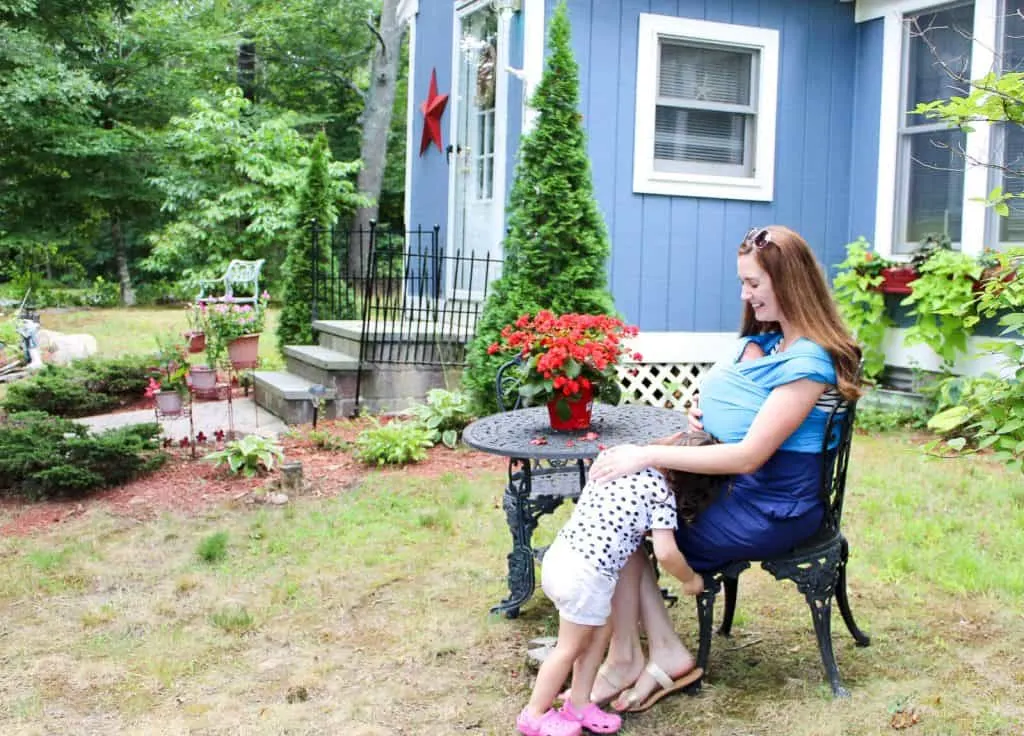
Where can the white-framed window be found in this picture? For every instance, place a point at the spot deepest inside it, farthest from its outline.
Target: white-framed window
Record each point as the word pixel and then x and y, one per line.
pixel 930 158
pixel 1008 138
pixel 706 97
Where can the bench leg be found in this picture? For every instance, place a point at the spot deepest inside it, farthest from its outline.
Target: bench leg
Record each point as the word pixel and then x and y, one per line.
pixel 731 586
pixel 842 598
pixel 706 621
pixel 821 613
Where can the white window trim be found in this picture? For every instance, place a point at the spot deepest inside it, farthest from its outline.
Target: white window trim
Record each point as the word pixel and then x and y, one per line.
pixel 974 233
pixel 646 179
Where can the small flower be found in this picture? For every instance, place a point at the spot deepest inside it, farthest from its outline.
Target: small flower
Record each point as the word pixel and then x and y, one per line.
pixel 201 438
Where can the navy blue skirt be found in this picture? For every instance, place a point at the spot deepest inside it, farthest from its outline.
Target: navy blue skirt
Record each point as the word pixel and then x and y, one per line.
pixel 757 515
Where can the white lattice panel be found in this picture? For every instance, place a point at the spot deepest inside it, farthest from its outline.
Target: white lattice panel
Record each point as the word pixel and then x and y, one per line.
pixel 668 385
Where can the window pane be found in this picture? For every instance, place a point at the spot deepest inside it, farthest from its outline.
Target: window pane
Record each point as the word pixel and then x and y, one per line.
pixel 935 185
pixel 939 52
pixel 1011 227
pixel 1013 36
pixel 704 136
pixel 706 74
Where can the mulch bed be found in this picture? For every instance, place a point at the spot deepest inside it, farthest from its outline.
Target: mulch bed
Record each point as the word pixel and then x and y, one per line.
pixel 188 485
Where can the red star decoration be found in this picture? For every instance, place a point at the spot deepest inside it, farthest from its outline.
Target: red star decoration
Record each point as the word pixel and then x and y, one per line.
pixel 432 108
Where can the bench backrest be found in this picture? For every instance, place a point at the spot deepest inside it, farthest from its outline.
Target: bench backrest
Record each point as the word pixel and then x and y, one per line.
pixel 835 457
pixel 242 272
pixel 506 384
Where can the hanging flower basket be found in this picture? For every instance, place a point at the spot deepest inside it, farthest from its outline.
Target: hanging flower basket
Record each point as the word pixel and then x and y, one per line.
pixel 243 352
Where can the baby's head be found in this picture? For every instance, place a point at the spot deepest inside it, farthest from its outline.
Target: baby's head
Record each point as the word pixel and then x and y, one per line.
pixel 694 492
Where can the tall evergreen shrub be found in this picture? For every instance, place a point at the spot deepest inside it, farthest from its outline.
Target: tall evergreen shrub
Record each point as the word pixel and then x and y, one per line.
pixel 557 245
pixel 295 326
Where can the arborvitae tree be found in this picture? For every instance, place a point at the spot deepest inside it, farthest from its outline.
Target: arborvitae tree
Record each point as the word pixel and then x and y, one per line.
pixel 557 244
pixel 315 203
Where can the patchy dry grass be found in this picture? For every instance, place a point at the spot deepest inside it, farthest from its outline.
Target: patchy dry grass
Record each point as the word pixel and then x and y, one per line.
pixel 367 614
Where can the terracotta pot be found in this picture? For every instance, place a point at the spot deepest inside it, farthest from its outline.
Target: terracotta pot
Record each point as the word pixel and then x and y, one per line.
pixel 244 351
pixel 203 378
pixel 568 414
pixel 169 402
pixel 196 341
pixel 897 280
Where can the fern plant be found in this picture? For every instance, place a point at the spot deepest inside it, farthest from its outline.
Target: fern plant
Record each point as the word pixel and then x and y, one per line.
pixel 248 456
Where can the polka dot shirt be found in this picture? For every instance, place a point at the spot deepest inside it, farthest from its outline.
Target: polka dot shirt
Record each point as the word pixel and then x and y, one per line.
pixel 610 519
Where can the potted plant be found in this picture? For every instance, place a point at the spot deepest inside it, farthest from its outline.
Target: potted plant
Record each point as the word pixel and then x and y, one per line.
pixel 234 329
pixel 567 361
pixel 858 289
pixel 169 379
pixel 195 335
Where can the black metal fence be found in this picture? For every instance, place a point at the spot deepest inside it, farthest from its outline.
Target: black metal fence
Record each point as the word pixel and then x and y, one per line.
pixel 417 303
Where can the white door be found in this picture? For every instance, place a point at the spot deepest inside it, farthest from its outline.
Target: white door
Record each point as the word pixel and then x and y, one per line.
pixel 477 153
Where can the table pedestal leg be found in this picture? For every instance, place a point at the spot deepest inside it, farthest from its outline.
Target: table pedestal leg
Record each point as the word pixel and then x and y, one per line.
pixel 522 513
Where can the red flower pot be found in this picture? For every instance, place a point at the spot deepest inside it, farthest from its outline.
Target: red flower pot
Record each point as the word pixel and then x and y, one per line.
pixel 196 341
pixel 897 280
pixel 244 351
pixel 568 413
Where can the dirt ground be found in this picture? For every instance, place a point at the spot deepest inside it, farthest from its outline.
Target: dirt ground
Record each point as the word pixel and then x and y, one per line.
pixel 190 484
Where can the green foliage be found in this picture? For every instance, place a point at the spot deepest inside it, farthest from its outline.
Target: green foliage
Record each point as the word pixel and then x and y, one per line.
pixel 325 440
pixel 860 304
pixel 250 455
pixel 872 421
pixel 394 443
pixel 233 619
pixel 231 182
pixel 42 456
pixel 445 414
pixel 213 548
pixel 557 246
pixel 943 304
pixel 9 336
pixel 316 205
pixel 90 386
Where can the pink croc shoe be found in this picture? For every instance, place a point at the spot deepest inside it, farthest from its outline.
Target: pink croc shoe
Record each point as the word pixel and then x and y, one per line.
pixel 552 723
pixel 592 718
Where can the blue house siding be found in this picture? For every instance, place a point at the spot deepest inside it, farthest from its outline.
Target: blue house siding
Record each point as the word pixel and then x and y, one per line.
pixel 867 103
pixel 428 203
pixel 673 258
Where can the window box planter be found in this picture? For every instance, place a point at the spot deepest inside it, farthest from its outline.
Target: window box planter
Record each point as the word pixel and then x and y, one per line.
pixel 897 280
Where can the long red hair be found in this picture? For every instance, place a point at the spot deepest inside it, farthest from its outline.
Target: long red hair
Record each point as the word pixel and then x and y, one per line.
pixel 803 296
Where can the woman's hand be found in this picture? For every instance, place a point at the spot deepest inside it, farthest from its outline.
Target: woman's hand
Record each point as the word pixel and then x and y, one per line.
pixel 618 461
pixel 693 419
pixel 695 585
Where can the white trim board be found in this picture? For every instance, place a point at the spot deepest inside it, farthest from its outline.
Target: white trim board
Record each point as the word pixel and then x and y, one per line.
pixel 533 56
pixel 684 347
pixel 871 9
pixel 974 363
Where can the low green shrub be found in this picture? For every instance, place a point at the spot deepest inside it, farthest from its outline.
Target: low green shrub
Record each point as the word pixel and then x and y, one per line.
pixel 43 456
pixel 250 455
pixel 872 420
pixel 90 386
pixel 214 548
pixel 394 443
pixel 445 414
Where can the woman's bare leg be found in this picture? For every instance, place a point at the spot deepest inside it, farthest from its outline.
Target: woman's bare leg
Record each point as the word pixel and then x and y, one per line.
pixel 625 660
pixel 665 649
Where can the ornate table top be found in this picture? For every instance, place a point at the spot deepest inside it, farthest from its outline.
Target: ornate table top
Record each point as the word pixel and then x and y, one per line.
pixel 527 433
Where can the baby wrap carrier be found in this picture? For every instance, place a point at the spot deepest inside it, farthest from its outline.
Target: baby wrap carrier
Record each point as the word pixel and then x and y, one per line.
pixel 769 511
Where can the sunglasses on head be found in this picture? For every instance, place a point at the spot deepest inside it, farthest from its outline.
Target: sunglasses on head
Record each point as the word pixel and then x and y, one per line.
pixel 758 237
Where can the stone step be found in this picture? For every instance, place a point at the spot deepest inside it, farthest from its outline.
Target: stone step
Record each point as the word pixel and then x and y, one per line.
pixel 321 357
pixel 287 396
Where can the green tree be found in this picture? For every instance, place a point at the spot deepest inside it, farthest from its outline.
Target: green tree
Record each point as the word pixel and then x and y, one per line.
pixel 315 204
pixel 557 244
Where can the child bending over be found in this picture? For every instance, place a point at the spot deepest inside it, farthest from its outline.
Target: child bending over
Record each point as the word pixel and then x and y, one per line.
pixel 579 574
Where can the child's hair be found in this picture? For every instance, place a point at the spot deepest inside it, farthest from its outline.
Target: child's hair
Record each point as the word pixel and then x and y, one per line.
pixel 694 492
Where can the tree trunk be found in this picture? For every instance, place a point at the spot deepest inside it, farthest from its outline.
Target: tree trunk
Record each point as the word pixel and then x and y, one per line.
pixel 124 276
pixel 380 101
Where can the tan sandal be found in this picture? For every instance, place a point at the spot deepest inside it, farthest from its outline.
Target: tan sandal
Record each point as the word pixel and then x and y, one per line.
pixel 601 672
pixel 668 686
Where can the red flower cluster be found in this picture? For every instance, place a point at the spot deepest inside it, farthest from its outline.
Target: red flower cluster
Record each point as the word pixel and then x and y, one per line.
pixel 564 354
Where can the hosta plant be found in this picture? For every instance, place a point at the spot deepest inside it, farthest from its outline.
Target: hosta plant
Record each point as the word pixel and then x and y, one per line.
pixel 445 415
pixel 394 443
pixel 248 456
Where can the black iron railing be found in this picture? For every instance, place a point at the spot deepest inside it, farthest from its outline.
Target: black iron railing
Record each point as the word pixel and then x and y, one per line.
pixel 417 303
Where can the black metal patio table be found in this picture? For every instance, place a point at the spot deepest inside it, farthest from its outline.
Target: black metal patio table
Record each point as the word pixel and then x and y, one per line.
pixel 547 467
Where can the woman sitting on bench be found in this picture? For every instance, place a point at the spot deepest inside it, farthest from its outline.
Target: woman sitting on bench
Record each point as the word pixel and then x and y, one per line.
pixel 769 411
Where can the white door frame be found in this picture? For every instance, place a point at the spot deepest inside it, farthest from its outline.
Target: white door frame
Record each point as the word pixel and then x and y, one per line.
pixel 462 10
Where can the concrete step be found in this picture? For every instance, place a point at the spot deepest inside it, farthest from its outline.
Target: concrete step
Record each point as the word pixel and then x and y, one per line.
pixel 320 357
pixel 287 396
pixel 341 335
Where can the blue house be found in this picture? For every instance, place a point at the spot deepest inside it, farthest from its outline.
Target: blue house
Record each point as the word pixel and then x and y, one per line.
pixel 708 117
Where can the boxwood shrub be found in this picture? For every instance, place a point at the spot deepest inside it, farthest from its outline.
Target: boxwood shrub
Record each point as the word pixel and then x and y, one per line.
pixel 90 386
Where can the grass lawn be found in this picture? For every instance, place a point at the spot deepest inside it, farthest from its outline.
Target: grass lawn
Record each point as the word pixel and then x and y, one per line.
pixel 367 614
